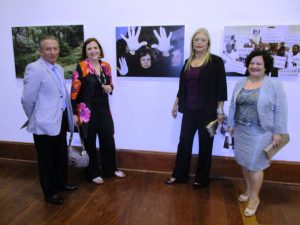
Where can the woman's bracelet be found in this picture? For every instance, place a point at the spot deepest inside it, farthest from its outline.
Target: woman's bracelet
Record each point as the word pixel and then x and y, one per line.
pixel 220 111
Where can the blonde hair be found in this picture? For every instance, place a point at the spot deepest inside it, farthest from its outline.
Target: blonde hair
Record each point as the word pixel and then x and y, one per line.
pixel 192 52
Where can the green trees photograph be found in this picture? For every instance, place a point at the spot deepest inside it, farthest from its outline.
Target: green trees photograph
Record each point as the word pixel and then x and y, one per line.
pixel 26 43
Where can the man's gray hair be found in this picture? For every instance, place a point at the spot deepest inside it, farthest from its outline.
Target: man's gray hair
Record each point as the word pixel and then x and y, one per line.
pixel 47 38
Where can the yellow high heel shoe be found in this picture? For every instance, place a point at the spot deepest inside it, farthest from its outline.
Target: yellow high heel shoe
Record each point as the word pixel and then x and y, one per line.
pixel 251 208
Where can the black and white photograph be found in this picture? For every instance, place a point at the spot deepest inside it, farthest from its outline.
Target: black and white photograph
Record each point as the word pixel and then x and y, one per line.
pixel 282 42
pixel 150 51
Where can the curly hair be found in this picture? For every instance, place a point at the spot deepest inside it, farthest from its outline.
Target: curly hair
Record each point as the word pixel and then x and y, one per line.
pixel 268 60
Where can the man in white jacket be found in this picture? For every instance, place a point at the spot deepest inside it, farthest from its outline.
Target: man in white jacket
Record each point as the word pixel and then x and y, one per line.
pixel 46 102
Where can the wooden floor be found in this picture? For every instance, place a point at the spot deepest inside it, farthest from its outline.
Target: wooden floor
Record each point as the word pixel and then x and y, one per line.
pixel 140 199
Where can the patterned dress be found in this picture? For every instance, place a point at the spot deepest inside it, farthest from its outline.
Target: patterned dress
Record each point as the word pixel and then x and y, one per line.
pixel 250 138
pixel 86 90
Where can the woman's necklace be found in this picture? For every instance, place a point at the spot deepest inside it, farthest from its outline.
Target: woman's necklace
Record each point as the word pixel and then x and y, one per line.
pixel 197 61
pixel 253 83
pixel 97 68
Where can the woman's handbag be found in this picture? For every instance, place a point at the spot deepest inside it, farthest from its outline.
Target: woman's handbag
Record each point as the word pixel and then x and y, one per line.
pixel 78 156
pixel 215 127
pixel 212 127
pixel 271 150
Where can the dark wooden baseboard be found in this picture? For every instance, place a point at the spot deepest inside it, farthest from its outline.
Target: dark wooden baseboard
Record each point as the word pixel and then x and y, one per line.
pixel 280 171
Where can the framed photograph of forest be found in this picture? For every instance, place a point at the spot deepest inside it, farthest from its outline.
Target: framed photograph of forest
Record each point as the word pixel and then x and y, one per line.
pixel 150 51
pixel 282 42
pixel 26 45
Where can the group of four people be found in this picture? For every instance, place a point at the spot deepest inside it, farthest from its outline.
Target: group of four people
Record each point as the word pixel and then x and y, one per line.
pixel 257 115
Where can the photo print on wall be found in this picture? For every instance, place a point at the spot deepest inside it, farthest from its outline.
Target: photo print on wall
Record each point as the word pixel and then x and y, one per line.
pixel 149 51
pixel 26 44
pixel 282 42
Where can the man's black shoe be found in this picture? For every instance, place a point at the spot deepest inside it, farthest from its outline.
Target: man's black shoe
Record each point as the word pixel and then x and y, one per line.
pixel 68 187
pixel 55 199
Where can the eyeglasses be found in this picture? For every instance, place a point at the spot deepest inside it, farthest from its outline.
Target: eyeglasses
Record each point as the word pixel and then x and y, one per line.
pixel 202 40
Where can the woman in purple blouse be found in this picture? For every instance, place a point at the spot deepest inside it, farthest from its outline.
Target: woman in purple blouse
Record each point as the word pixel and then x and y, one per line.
pixel 201 95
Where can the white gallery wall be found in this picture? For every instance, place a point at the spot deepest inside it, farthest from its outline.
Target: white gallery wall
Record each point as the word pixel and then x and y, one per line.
pixel 141 107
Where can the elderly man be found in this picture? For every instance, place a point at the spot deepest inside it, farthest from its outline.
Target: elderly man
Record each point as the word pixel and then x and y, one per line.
pixel 47 105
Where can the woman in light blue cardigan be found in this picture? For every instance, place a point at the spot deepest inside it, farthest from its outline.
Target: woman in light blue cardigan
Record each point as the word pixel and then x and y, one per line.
pixel 257 117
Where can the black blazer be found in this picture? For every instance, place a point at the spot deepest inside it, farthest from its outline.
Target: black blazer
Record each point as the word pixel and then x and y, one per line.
pixel 212 86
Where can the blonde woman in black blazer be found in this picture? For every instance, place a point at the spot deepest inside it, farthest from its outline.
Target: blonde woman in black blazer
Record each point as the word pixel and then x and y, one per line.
pixel 201 95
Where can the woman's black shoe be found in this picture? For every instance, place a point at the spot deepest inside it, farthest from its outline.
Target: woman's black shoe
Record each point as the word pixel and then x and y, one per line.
pixel 170 181
pixel 197 185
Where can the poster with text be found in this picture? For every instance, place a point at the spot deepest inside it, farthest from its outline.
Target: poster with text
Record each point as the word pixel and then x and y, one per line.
pixel 282 42
pixel 149 51
pixel 26 46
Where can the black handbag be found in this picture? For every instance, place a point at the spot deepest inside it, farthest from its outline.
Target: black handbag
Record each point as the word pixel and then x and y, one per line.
pixel 77 156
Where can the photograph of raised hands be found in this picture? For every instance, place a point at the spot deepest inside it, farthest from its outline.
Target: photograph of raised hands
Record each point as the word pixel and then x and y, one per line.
pixel 149 51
